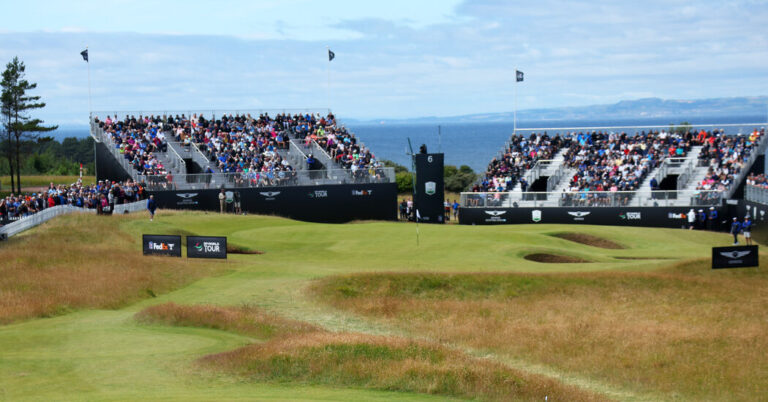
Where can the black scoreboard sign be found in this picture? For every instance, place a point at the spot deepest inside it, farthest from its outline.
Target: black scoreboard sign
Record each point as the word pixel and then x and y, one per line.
pixel 206 247
pixel 734 257
pixel 428 196
pixel 161 245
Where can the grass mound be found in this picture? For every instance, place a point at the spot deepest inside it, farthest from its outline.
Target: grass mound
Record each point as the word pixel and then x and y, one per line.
pixel 686 330
pixel 244 320
pixel 588 240
pixel 81 261
pixel 386 363
pixel 554 258
pixel 303 353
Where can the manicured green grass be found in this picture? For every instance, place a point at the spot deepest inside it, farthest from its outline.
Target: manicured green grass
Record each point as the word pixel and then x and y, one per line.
pixel 106 354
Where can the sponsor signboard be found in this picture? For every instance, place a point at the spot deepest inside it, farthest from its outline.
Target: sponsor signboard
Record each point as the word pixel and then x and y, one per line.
pixel 495 216
pixel 578 215
pixel 429 193
pixel 206 247
pixel 186 199
pixel 734 257
pixel 269 195
pixel 161 245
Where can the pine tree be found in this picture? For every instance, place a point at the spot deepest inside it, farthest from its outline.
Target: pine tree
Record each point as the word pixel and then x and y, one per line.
pixel 17 103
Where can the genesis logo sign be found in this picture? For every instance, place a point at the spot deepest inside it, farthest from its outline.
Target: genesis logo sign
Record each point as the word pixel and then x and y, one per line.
pixel 578 215
pixel 269 195
pixel 186 199
pixel 495 216
pixel 732 255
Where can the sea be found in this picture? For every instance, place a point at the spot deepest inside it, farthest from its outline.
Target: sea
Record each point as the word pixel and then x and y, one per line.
pixel 474 144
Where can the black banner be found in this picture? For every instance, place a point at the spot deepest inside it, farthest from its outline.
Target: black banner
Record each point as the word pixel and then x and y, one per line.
pixel 429 194
pixel 734 257
pixel 161 245
pixel 671 217
pixel 329 203
pixel 206 247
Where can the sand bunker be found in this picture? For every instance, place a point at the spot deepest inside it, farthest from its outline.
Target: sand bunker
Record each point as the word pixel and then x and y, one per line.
pixel 589 240
pixel 554 258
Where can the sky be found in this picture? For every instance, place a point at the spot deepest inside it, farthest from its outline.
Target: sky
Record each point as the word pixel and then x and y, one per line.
pixel 394 59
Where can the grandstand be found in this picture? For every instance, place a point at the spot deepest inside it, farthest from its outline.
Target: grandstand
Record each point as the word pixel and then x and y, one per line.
pixel 275 162
pixel 620 167
pixel 187 151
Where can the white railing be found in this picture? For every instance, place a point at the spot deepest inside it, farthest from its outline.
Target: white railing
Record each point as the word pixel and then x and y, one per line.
pixel 26 223
pixel 591 199
pixel 756 194
pixel 276 179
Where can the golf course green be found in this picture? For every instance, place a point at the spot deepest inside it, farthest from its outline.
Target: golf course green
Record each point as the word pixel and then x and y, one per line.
pixel 99 350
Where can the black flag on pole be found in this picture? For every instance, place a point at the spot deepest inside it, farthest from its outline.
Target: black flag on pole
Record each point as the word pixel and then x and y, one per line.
pixel 518 75
pixel 331 55
pixel 84 53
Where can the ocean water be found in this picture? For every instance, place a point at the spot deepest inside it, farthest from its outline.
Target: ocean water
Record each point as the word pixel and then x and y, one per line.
pixel 472 144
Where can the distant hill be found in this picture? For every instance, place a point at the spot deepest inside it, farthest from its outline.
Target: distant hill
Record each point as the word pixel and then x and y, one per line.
pixel 647 108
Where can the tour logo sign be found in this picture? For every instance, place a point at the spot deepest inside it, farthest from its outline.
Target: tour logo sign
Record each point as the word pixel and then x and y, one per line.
pixel 206 247
pixel 161 245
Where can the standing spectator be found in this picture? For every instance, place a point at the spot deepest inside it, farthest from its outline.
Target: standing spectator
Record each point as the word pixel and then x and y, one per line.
pixel 151 207
pixel 712 219
pixel 455 210
pixel 221 200
pixel 236 199
pixel 691 219
pixel 735 229
pixel 447 206
pixel 746 229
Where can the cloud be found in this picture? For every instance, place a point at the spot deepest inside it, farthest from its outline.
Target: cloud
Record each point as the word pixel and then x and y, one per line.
pixel 392 66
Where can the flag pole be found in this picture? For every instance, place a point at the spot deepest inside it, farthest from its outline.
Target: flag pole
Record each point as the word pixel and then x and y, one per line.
pixel 514 118
pixel 328 83
pixel 90 104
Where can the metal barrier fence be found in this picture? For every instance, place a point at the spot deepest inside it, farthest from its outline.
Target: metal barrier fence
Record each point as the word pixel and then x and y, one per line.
pixel 274 179
pixel 591 199
pixel 47 214
pixel 207 113
pixel 756 194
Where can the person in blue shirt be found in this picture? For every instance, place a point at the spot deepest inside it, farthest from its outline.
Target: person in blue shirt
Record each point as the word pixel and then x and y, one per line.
pixel 746 228
pixel 735 229
pixel 712 219
pixel 151 207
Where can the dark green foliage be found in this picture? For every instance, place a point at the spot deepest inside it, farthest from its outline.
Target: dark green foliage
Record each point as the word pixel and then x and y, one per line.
pixel 458 180
pixel 404 182
pixel 50 157
pixel 21 130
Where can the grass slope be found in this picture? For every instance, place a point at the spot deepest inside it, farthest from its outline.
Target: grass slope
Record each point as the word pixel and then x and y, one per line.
pixel 105 354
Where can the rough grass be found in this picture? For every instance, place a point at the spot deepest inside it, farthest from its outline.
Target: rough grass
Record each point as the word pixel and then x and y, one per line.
pixel 82 261
pixel 45 180
pixel 687 331
pixel 303 353
pixel 244 320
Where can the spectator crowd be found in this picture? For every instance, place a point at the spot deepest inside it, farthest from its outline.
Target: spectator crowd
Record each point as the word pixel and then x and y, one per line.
pixel 102 197
pixel 606 161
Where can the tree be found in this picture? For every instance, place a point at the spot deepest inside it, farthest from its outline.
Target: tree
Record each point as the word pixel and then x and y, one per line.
pixel 16 104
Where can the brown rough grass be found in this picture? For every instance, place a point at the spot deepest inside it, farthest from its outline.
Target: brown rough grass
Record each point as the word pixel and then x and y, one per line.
pixel 245 320
pixel 84 261
pixel 554 258
pixel 387 363
pixel 303 353
pixel 688 331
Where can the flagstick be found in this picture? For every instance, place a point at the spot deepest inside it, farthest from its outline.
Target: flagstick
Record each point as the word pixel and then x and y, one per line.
pixel 90 105
pixel 514 118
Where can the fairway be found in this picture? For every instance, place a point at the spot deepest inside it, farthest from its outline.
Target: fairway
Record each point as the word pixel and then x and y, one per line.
pixel 98 349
